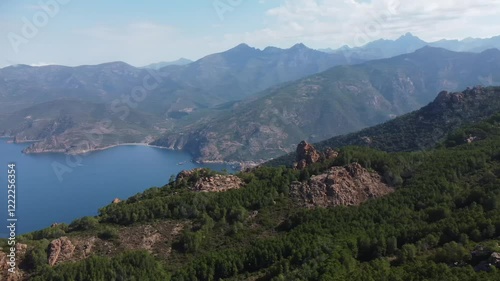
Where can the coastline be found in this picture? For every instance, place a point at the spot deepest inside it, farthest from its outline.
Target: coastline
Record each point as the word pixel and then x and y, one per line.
pixel 239 165
pixel 120 144
pixel 97 149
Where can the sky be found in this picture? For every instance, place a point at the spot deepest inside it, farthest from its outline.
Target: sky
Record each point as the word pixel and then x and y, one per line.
pixel 77 32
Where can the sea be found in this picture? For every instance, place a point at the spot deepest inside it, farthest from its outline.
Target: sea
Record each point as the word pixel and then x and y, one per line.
pixel 58 188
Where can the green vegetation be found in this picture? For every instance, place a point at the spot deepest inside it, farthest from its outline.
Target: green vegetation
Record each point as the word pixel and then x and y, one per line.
pixel 446 205
pixel 128 266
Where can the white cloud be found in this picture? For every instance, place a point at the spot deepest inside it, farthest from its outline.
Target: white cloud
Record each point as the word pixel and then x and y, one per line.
pixel 137 43
pixel 42 64
pixel 332 23
pixel 317 23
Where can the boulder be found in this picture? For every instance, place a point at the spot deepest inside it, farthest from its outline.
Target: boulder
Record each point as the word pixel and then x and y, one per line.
pixel 495 259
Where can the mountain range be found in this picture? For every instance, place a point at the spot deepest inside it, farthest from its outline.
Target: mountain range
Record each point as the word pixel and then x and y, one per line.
pixel 341 100
pixel 384 48
pixel 244 104
pixel 174 95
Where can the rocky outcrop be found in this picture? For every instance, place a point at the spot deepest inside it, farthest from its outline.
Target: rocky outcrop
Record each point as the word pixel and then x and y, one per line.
pixel 331 154
pixel 60 250
pixel 346 186
pixel 116 201
pixel 306 155
pixel 218 183
pixel 203 180
pixel 495 259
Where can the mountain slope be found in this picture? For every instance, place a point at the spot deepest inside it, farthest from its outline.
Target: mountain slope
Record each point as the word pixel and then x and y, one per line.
pixel 22 86
pixel 73 126
pixel 421 129
pixel 338 101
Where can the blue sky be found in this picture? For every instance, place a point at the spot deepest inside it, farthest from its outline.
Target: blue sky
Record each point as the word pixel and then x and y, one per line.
pixel 75 32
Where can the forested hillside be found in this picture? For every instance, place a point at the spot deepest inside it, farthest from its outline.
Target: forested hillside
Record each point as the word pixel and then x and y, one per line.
pixel 442 222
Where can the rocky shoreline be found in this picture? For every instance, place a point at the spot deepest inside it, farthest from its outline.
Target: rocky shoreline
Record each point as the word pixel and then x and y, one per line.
pixel 237 164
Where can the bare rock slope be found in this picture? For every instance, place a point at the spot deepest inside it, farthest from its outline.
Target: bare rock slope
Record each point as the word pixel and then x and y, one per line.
pixel 346 186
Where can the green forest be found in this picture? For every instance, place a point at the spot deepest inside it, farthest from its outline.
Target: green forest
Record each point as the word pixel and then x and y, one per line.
pixel 441 223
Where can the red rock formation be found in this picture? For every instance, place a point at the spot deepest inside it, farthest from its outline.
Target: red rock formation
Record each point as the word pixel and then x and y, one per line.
pixel 331 154
pixel 218 183
pixel 306 155
pixel 202 180
pixel 349 185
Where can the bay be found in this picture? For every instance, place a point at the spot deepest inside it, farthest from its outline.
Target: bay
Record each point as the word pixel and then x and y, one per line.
pixel 57 188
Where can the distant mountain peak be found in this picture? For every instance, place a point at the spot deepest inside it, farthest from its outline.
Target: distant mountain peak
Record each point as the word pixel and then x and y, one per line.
pixel 115 64
pixel 243 46
pixel 408 34
pixel 409 37
pixel 299 46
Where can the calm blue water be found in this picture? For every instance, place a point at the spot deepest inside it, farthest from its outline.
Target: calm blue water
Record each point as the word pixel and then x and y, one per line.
pixel 120 172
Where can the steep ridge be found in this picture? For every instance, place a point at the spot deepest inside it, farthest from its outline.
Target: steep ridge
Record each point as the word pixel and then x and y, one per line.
pixel 421 129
